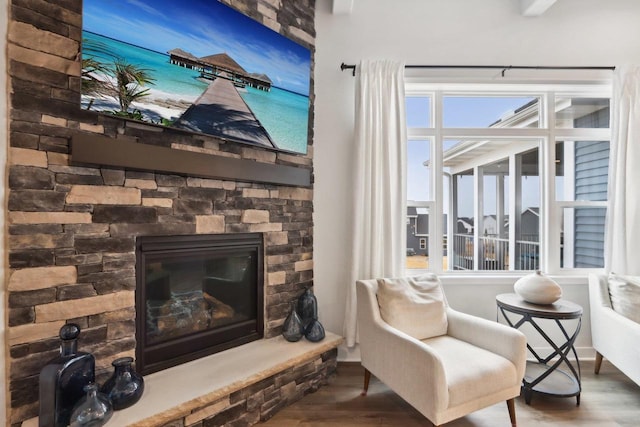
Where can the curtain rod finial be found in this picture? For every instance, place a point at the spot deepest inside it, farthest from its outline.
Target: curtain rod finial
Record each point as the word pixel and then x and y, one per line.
pixel 344 66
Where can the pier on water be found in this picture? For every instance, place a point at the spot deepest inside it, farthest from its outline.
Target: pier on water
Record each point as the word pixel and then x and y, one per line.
pixel 221 111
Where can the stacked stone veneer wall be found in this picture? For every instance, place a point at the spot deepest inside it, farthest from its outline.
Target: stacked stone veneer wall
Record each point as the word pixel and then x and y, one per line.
pixel 72 228
pixel 262 400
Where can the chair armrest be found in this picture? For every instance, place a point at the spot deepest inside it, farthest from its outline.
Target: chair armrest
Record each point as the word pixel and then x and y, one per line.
pixel 492 336
pixel 621 348
pixel 604 318
pixel 599 291
pixel 403 363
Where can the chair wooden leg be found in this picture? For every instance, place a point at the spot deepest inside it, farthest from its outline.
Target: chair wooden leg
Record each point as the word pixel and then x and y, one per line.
pixel 367 377
pixel 596 369
pixel 511 405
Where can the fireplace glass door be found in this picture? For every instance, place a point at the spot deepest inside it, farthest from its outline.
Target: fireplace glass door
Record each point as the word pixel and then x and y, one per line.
pixel 196 295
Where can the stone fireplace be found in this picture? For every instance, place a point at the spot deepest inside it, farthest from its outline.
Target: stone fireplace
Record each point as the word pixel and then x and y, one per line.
pixel 74 227
pixel 196 295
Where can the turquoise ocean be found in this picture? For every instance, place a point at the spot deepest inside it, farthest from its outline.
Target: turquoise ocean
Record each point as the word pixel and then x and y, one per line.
pixel 282 113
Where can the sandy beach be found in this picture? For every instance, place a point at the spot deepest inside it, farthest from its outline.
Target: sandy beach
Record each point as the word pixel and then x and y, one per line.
pixel 154 107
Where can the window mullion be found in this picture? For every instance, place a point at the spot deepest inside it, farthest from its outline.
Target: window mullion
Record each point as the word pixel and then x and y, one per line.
pixel 478 211
pixel 436 243
pixel 551 225
pixel 514 207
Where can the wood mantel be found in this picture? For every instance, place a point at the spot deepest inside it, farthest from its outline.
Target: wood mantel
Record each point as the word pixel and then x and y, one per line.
pixel 102 150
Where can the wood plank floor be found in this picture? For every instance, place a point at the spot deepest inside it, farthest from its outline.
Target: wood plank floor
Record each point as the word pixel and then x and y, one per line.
pixel 608 400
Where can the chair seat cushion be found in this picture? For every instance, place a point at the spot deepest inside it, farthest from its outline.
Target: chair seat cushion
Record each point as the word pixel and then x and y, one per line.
pixel 413 305
pixel 471 372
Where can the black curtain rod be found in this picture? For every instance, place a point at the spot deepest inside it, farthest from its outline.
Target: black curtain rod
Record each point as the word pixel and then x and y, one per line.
pixel 504 68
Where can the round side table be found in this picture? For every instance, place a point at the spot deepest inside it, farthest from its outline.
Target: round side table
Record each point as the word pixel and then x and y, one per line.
pixel 544 375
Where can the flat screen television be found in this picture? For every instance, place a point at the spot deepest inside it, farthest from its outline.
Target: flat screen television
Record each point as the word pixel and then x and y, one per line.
pixel 196 65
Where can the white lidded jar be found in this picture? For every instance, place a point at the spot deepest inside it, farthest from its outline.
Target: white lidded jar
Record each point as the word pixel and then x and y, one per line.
pixel 537 288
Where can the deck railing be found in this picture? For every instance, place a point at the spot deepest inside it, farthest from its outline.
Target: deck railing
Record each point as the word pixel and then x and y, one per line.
pixel 529 254
pixel 494 253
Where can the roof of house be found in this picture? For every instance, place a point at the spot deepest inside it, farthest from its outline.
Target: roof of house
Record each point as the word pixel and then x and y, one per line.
pixel 261 77
pixel 182 54
pixel 222 60
pixel 422 224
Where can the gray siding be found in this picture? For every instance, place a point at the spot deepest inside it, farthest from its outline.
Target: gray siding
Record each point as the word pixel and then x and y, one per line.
pixel 589 237
pixel 592 168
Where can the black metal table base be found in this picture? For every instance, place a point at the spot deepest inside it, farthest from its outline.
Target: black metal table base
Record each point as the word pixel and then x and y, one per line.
pixel 553 374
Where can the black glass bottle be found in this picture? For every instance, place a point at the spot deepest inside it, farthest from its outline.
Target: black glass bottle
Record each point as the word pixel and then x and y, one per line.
pixel 93 410
pixel 63 379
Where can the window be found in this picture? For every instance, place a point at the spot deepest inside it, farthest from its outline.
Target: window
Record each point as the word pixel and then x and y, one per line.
pixel 506 177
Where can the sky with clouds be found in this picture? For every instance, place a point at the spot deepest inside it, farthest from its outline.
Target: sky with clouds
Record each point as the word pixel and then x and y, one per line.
pixel 203 28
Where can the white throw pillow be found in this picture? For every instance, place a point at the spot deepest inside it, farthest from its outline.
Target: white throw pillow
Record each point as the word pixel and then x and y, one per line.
pixel 624 292
pixel 414 305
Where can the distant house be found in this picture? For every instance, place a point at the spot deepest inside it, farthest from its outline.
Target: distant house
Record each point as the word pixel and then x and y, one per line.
pixel 530 224
pixel 490 225
pixel 259 81
pixel 220 65
pixel 464 225
pixel 185 59
pixel 418 231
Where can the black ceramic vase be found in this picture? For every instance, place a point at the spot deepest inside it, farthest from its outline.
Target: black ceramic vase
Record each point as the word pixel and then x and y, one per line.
pixel 125 386
pixel 314 331
pixel 308 310
pixel 292 329
pixel 307 307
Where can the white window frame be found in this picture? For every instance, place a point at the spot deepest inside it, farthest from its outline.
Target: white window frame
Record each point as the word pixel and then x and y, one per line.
pixel 551 210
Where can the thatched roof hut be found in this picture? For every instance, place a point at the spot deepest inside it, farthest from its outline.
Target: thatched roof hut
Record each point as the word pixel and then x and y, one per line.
pixel 261 77
pixel 210 67
pixel 225 62
pixel 177 52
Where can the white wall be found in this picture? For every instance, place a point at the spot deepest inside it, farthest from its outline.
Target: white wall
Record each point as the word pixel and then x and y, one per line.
pixel 572 32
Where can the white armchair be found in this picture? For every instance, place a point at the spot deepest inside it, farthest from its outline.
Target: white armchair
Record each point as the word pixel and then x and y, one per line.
pixel 477 363
pixel 614 336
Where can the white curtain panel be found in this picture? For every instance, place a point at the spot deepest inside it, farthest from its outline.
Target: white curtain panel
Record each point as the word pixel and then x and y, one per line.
pixel 623 224
pixel 379 186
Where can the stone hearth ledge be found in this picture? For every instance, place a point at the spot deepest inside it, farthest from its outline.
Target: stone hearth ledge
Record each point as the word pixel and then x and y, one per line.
pixel 175 392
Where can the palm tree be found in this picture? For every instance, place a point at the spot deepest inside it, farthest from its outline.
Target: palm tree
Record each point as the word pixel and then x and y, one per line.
pixel 92 70
pixel 130 80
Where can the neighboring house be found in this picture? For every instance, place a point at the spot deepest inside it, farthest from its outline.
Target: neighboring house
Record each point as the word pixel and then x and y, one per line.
pixel 464 225
pixel 530 224
pixel 490 225
pixel 417 232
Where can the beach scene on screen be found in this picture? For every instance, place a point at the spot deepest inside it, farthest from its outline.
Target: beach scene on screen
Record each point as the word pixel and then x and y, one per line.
pixel 196 65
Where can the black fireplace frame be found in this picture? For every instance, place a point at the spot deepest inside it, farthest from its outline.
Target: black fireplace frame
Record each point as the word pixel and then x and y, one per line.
pixel 156 357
